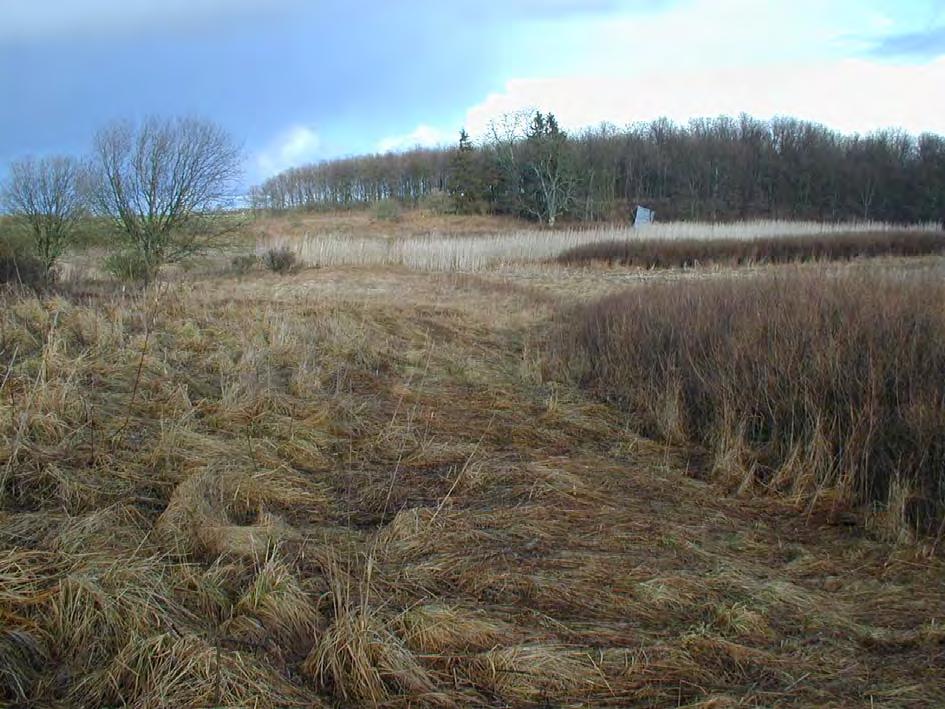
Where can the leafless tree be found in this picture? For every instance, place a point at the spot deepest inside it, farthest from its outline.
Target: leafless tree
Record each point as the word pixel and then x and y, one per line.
pixel 46 195
pixel 550 189
pixel 508 131
pixel 165 183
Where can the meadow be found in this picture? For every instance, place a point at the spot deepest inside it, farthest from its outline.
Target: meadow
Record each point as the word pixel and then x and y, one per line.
pixel 448 469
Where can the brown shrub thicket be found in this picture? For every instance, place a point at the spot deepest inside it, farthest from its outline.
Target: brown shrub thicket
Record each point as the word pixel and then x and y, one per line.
pixel 23 270
pixel 683 253
pixel 280 260
pixel 828 387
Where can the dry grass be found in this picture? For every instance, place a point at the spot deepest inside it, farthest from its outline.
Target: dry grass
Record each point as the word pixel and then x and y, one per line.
pixel 411 222
pixel 531 673
pixel 276 608
pixel 451 251
pixel 359 658
pixel 437 628
pixel 225 511
pixel 364 487
pixel 823 386
pixel 686 253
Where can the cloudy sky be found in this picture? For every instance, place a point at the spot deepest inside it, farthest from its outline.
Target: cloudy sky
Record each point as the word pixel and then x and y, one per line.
pixel 298 81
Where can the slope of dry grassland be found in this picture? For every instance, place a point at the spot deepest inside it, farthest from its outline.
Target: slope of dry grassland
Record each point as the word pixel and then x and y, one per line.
pixel 356 487
pixel 361 222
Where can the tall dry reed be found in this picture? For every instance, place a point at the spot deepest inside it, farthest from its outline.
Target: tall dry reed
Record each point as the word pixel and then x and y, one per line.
pixel 436 252
pixel 682 253
pixel 825 386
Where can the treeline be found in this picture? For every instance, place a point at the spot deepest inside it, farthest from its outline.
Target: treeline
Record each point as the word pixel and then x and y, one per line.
pixel 720 168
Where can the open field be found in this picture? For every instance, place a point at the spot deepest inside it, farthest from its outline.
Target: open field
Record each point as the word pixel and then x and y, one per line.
pixel 366 485
pixel 335 372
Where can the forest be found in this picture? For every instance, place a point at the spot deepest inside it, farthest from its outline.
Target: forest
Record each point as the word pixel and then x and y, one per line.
pixel 709 169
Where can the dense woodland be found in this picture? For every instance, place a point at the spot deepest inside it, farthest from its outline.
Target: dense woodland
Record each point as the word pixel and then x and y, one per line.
pixel 721 168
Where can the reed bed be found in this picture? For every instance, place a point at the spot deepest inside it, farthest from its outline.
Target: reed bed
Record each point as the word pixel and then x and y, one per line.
pixel 685 253
pixel 825 386
pixel 437 252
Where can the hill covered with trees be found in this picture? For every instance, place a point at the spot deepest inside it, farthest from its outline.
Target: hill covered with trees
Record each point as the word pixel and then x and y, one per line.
pixel 719 168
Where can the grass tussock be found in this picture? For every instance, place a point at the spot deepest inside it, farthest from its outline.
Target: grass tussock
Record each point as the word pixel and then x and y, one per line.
pixel 102 604
pixel 171 670
pixel 824 386
pixel 276 608
pixel 685 253
pixel 530 673
pixel 359 658
pixel 279 260
pixel 439 628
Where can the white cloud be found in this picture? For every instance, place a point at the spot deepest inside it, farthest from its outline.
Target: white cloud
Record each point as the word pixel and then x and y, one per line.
pixel 297 146
pixel 853 95
pixel 423 136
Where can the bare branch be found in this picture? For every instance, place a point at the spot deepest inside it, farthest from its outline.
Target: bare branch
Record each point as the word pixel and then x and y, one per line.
pixel 46 195
pixel 164 183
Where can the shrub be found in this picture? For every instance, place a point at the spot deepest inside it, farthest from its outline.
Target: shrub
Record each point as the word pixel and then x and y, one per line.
pixel 437 202
pixel 26 270
pixel 680 253
pixel 18 265
pixel 387 210
pixel 243 263
pixel 280 260
pixel 827 387
pixel 128 267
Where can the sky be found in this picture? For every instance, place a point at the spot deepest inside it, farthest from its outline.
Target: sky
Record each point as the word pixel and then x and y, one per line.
pixel 298 81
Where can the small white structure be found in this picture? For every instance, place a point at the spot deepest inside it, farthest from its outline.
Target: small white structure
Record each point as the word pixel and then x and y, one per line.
pixel 643 217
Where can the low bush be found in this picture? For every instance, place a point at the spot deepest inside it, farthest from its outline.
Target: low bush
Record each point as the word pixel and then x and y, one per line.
pixel 18 266
pixel 128 267
pixel 387 210
pixel 437 202
pixel 25 270
pixel 682 253
pixel 827 387
pixel 243 263
pixel 280 260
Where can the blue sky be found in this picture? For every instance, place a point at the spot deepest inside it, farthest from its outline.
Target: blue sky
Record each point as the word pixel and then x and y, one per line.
pixel 299 81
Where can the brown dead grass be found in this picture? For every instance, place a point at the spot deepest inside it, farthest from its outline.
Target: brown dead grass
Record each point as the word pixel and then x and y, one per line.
pixel 688 253
pixel 308 492
pixel 818 385
pixel 413 222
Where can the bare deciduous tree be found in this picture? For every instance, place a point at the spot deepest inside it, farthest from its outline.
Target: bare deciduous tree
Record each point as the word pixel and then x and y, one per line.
pixel 550 187
pixel 164 182
pixel 46 196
